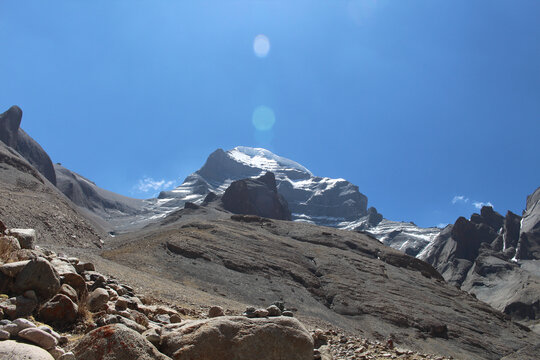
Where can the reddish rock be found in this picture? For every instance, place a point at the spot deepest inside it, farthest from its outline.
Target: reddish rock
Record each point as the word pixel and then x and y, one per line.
pixel 59 310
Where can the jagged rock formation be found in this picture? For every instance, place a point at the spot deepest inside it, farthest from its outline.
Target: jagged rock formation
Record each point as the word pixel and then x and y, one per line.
pixel 15 137
pixel 256 197
pixel 495 258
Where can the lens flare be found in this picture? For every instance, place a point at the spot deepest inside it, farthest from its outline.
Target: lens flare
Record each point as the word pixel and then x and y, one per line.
pixel 263 118
pixel 261 45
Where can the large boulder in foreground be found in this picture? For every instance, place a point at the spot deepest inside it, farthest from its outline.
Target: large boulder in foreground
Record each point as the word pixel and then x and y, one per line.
pixel 40 276
pixel 256 197
pixel 116 342
pixel 239 338
pixel 10 349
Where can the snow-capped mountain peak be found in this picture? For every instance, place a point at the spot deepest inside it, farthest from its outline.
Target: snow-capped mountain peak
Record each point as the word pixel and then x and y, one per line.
pixel 264 159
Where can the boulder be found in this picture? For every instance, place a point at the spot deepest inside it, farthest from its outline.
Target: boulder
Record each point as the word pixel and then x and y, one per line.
pixel 77 282
pixel 116 342
pixel 97 300
pixel 215 311
pixel 59 310
pixel 68 291
pixel 239 338
pixel 10 349
pixel 2 228
pixel 39 337
pixel 27 237
pixel 14 268
pixel 26 304
pixel 8 245
pixel 62 267
pixel 40 276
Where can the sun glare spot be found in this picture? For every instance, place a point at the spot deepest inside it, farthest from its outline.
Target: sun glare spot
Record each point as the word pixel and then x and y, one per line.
pixel 261 45
pixel 263 118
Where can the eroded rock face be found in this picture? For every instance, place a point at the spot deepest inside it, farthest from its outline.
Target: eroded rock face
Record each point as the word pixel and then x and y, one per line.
pixel 239 338
pixel 256 197
pixel 116 342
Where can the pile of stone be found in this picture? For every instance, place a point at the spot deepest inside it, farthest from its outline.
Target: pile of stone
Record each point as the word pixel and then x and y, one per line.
pixel 332 344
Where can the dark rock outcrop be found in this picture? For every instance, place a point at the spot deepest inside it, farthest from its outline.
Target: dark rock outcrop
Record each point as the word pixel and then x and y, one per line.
pixel 256 197
pixel 493 257
pixel 15 137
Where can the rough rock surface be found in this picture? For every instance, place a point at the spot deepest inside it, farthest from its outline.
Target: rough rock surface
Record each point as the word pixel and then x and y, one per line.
pixel 40 276
pixel 492 257
pixel 59 310
pixel 116 342
pixel 13 136
pixel 239 338
pixel 256 197
pixel 10 349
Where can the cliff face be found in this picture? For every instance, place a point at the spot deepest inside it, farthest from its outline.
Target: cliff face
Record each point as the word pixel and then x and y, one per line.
pixel 495 258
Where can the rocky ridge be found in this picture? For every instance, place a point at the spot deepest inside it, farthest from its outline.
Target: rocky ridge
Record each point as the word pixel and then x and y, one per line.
pixel 495 258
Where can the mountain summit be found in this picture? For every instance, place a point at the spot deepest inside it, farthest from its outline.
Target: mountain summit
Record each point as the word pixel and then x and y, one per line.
pixel 319 200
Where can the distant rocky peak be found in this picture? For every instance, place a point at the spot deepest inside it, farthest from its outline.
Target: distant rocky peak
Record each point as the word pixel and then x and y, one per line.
pixel 10 121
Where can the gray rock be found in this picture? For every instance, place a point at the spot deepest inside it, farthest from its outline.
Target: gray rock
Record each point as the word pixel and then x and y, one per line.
pixel 70 292
pixel 12 329
pixel 23 324
pixel 4 335
pixel 8 245
pixel 97 300
pixel 56 352
pixel 215 311
pixel 14 268
pixel 10 349
pixel 273 310
pixel 26 305
pixel 62 267
pixel 116 342
pixel 39 337
pixel 256 197
pixel 239 338
pixel 40 276
pixel 27 237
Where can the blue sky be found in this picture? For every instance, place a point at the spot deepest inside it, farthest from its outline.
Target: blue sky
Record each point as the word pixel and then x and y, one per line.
pixel 428 106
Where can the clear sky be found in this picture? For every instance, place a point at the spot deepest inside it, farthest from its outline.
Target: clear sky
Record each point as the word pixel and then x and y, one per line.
pixel 428 106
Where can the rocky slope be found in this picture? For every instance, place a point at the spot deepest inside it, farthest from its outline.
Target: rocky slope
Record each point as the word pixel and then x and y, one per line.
pixel 27 199
pixel 345 278
pixel 495 258
pixel 106 207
